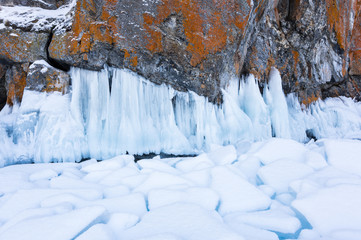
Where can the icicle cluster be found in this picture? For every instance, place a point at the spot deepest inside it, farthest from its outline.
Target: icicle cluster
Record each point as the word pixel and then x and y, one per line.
pixel 115 111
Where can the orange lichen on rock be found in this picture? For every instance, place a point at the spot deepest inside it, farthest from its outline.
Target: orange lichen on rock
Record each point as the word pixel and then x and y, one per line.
pixel 130 58
pixel 55 83
pixel 100 32
pixel 355 62
pixel 85 42
pixel 193 30
pixel 338 15
pixel 19 47
pixel 87 30
pixel 17 75
pixel 355 50
pixel 256 69
pixel 110 27
pixel 134 61
pixel 205 28
pixel 296 59
pixel 307 100
pixel 155 37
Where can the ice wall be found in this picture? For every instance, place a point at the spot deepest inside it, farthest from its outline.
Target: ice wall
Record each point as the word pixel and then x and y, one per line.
pixel 115 112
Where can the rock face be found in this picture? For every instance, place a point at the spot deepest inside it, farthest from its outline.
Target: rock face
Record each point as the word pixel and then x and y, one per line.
pixel 188 44
pixel 199 45
pixel 20 47
pixel 3 92
pixel 45 78
pixel 15 79
pixel 309 42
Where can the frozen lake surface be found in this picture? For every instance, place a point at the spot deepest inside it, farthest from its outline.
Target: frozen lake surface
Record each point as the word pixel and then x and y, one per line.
pixel 272 189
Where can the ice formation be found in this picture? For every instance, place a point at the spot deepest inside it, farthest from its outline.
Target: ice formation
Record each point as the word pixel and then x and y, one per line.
pixel 300 191
pixel 116 111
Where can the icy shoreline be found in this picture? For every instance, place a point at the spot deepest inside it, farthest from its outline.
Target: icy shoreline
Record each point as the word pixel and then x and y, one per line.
pixel 115 112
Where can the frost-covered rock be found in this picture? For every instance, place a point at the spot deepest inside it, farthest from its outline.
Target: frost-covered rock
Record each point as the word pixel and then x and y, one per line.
pixel 44 77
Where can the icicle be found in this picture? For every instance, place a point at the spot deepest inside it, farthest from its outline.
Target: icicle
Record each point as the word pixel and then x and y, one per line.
pixel 275 99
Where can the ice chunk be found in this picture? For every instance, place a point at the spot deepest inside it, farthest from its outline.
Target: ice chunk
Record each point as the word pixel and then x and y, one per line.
pixel 201 178
pixel 315 160
pixel 162 236
pixel 197 163
pixel 25 215
pixel 236 194
pixel 118 176
pixel 249 167
pixel 310 234
pixel 323 176
pixel 268 190
pixel 96 176
pixel 248 232
pixel 97 232
pixel 102 166
pixel 132 203
pixel 272 220
pixel 41 228
pixel 122 221
pixel 303 187
pixel 134 181
pixel 332 209
pixel 281 173
pixel 277 148
pixel 43 174
pixel 344 155
pixel 11 181
pixel 157 165
pixel 203 197
pixel 116 191
pixel 346 234
pixel 222 155
pixel 26 199
pixel 242 147
pixel 63 182
pixel 62 199
pixel 158 180
pixel 187 221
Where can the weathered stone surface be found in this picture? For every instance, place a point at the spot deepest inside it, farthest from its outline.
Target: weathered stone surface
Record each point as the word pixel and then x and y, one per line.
pixel 20 47
pixel 309 42
pixel 44 78
pixel 355 48
pixel 187 44
pixel 199 45
pixel 15 83
pixel 3 91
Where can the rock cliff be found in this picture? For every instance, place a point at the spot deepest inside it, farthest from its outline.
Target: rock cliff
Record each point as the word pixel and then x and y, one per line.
pixel 190 44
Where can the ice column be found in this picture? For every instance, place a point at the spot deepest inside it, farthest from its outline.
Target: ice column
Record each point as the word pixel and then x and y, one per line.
pixel 276 100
